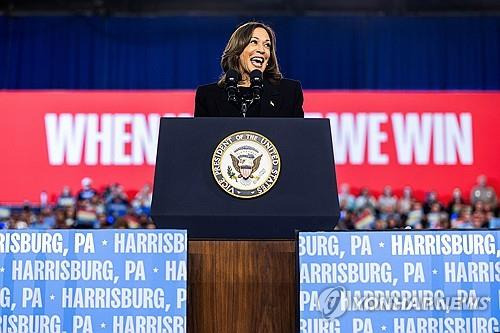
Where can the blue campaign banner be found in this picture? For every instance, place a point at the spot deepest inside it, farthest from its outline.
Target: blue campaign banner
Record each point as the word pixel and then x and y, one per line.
pixel 399 281
pixel 69 281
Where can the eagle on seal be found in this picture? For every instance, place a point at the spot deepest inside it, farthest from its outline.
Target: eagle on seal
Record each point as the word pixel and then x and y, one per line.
pixel 246 165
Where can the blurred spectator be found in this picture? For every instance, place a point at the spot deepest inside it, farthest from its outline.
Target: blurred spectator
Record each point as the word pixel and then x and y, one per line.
pixel 70 216
pixel 393 221
pixel 142 200
pixel 98 203
pixel 483 193
pixel 455 204
pixel 346 220
pixel 120 223
pixel 430 199
pixel 116 206
pixel 145 221
pixel 478 206
pixel 114 191
pixel 26 218
pixel 493 222
pixel 150 225
pixel 103 222
pixel 406 201
pixel 346 199
pixel 44 199
pixel 112 209
pixel 387 203
pixel 61 219
pixel 435 215
pixel 365 200
pixel 415 216
pixel 478 220
pixel 380 225
pixel 46 220
pixel 4 217
pixel 87 192
pixel 444 223
pixel 132 219
pixel 464 219
pixel 66 199
pixel 19 221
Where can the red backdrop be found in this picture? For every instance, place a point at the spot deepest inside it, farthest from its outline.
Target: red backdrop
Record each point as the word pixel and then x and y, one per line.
pixel 429 140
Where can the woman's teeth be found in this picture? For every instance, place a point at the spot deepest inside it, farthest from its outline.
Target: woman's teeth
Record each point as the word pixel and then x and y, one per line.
pixel 257 61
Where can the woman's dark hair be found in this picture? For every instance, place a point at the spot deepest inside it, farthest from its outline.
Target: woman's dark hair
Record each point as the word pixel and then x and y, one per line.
pixel 237 43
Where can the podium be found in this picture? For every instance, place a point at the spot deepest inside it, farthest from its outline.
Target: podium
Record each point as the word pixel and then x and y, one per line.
pixel 241 258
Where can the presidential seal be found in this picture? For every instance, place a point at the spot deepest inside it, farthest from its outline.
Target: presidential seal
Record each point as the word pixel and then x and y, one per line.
pixel 246 164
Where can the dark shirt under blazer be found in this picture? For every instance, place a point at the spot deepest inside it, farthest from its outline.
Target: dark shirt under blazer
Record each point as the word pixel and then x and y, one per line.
pixel 283 99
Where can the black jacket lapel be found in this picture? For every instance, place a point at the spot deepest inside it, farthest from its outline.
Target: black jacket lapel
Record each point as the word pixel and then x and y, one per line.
pixel 270 102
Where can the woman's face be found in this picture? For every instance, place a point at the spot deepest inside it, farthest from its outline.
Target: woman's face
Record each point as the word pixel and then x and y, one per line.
pixel 257 53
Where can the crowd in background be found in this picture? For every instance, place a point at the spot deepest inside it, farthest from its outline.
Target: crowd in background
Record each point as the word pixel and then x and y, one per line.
pixel 86 209
pixel 366 212
pixel 113 208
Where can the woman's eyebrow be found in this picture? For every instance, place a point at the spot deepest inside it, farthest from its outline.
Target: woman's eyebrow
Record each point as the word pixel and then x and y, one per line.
pixel 267 40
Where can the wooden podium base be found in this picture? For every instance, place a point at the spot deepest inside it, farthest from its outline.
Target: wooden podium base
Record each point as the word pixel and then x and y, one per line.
pixel 241 286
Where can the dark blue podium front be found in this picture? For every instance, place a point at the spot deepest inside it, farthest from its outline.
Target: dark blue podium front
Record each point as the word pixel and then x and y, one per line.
pixel 186 195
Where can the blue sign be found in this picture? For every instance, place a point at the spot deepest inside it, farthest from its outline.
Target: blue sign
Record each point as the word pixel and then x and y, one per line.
pixel 399 281
pixel 93 281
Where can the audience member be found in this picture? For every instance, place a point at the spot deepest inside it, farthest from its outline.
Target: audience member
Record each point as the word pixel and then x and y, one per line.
pixel 61 219
pixel 112 209
pixel 46 220
pixel 142 200
pixel 434 216
pixel 405 202
pixel 483 193
pixel 393 221
pixel 4 217
pixel 66 199
pixel 346 199
pixel 455 204
pixel 387 203
pixel 430 199
pixel 493 221
pixel 415 216
pixel 479 220
pixel 87 192
pixel 365 200
pixel 464 219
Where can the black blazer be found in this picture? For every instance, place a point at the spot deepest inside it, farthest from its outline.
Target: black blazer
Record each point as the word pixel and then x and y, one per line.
pixel 283 99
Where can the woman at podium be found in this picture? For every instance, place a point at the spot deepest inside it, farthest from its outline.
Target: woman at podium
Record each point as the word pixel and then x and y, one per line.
pixel 251 84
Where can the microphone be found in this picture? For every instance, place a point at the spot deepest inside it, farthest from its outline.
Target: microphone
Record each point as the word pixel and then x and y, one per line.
pixel 256 84
pixel 231 81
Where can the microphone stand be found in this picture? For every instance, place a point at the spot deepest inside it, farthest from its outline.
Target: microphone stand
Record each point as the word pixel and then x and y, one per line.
pixel 245 104
pixel 244 107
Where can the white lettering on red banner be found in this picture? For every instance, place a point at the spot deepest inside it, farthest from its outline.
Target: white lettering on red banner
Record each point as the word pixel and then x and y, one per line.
pixel 428 140
pixel 357 138
pixel 93 139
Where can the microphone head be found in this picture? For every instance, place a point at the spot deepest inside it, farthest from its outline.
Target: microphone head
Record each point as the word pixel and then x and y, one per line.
pixel 256 76
pixel 231 81
pixel 256 83
pixel 232 77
